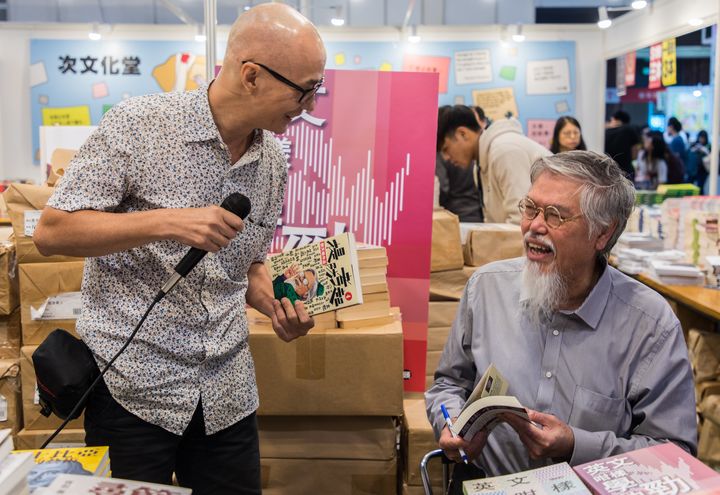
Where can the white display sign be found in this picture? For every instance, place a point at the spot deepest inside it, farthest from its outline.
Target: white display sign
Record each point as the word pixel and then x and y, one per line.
pixel 548 77
pixel 30 221
pixel 473 67
pixel 65 306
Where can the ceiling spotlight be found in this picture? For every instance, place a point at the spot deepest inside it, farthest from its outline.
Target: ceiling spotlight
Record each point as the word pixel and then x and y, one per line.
pixel 697 93
pixel 414 37
pixel 695 21
pixel 638 4
pixel 94 33
pixel 518 36
pixel 604 21
pixel 200 35
pixel 338 19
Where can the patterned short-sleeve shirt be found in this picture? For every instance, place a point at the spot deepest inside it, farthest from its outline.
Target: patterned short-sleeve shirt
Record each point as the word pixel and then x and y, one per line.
pixel 165 151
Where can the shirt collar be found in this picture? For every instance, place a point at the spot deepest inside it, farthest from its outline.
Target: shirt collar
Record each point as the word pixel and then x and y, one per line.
pixel 592 308
pixel 199 124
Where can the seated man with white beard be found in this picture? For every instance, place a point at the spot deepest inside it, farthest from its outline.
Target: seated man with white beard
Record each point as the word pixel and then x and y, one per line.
pixel 597 358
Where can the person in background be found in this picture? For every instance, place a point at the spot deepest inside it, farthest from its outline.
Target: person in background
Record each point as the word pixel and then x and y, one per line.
pixel 622 142
pixel 182 398
pixel 459 191
pixel 698 155
pixel 677 140
pixel 656 164
pixel 597 358
pixel 567 135
pixel 503 154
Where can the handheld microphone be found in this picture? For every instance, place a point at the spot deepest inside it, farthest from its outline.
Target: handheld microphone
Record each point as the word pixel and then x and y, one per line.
pixel 236 203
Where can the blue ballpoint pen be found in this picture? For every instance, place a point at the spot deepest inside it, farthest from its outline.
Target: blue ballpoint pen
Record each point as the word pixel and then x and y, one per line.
pixel 448 422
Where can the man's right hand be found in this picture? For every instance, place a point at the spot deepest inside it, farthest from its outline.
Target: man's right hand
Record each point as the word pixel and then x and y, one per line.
pixel 210 228
pixel 451 445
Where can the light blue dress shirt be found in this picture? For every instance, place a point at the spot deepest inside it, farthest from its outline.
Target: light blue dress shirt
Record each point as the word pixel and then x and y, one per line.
pixel 616 369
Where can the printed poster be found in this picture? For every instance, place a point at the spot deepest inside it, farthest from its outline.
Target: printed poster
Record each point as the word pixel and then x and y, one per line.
pixel 371 175
pixel 630 64
pixel 472 67
pixel 428 63
pixel 669 63
pixel 547 77
pixel 498 103
pixel 620 86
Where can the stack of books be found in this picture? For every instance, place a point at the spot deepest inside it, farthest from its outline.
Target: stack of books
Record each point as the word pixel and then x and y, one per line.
pixel 14 469
pixel 675 273
pixel 51 463
pixel 633 261
pixel 637 240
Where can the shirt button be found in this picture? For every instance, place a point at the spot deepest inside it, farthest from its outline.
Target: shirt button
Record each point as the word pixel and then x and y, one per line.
pixel 548 374
pixel 556 333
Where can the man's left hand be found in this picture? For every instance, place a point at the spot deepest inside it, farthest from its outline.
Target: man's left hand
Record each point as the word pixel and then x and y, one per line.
pixel 290 322
pixel 555 439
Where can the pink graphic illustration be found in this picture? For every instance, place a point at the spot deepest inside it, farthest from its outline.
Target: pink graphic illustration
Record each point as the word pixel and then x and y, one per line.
pixel 363 161
pixel 427 63
pixel 541 131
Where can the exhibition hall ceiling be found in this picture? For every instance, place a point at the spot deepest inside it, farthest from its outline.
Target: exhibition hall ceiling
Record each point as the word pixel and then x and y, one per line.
pixel 354 13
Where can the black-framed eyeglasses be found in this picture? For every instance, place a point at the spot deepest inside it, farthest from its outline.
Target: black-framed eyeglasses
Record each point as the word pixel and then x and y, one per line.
pixel 529 210
pixel 304 93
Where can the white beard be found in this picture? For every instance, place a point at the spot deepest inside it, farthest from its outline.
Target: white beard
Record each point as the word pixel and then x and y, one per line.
pixel 545 292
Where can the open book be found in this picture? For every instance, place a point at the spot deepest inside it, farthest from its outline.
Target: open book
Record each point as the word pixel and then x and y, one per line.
pixel 323 275
pixel 485 404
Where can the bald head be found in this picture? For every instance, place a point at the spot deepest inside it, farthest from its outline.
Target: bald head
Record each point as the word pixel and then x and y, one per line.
pixel 273 33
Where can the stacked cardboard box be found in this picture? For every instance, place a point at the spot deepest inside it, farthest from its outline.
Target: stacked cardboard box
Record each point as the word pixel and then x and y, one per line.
pixel 10 397
pixel 487 242
pixel 441 315
pixel 704 350
pixel 338 390
pixel 417 439
pixel 49 297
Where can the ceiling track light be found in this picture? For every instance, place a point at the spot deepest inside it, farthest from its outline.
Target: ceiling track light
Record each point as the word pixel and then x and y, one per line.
pixel 604 21
pixel 94 33
pixel 413 37
pixel 638 4
pixel 518 36
pixel 200 34
pixel 338 19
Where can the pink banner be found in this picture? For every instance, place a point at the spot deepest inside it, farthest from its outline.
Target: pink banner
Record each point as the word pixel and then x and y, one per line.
pixel 363 161
pixel 630 62
pixel 655 74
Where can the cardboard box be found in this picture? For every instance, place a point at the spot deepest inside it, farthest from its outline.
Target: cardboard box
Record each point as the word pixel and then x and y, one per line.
pixel 9 297
pixel 704 351
pixel 419 490
pixel 10 335
pixel 10 395
pixel 442 313
pixel 33 439
pixel 332 372
pixel 38 282
pixel 59 161
pixel 432 360
pixel 446 250
pixel 417 439
pixel 327 437
pixel 32 419
pixel 448 286
pixel 709 443
pixel 437 336
pixel 487 242
pixel 328 476
pixel 25 202
pixel 323 320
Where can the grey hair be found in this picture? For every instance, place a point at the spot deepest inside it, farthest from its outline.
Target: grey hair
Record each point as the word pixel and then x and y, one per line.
pixel 606 195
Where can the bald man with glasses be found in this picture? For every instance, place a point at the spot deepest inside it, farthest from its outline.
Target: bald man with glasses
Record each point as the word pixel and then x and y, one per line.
pixel 144 187
pixel 597 358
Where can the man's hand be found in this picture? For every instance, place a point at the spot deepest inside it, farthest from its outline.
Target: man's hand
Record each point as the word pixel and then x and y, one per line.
pixel 555 439
pixel 210 229
pixel 451 445
pixel 290 322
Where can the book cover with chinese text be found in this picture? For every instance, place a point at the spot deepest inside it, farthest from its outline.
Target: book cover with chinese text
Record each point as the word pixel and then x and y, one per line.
pixel 554 479
pixel 323 275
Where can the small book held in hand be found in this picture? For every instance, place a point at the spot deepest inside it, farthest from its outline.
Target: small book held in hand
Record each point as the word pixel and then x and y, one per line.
pixel 323 275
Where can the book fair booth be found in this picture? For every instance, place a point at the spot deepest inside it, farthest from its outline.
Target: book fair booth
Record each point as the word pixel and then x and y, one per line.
pixel 341 410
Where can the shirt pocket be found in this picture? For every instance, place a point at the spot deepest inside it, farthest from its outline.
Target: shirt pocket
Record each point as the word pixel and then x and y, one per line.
pixel 593 411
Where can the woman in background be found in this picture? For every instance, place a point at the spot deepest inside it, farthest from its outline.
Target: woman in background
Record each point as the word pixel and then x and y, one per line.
pixel 656 164
pixel 567 135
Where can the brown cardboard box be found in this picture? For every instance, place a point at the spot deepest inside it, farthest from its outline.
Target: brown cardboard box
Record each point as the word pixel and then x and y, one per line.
pixel 59 161
pixel 9 297
pixel 10 380
pixel 442 313
pixel 328 476
pixel 431 362
pixel 10 335
pixel 32 419
pixel 323 320
pixel 417 439
pixel 446 253
pixel 327 437
pixel 447 286
pixel 437 336
pixel 333 372
pixel 419 490
pixel 704 350
pixel 33 439
pixel 24 201
pixel 487 242
pixel 38 282
pixel 709 443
